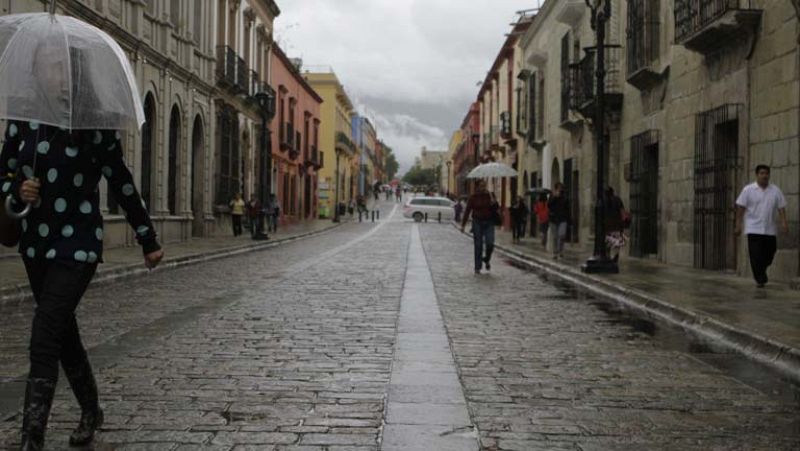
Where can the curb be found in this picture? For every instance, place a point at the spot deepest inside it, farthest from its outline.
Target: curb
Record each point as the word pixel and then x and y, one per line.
pixel 779 357
pixel 21 293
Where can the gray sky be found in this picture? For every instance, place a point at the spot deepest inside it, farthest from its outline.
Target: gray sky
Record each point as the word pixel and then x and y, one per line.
pixel 410 65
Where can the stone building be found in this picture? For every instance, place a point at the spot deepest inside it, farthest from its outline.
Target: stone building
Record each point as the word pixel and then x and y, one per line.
pixel 699 92
pixel 243 52
pixel 171 47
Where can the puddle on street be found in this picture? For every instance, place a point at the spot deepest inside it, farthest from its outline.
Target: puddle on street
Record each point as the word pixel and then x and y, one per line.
pixel 674 338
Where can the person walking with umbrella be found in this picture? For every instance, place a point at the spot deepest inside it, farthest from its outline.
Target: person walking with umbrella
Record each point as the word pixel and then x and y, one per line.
pixel 482 208
pixel 60 142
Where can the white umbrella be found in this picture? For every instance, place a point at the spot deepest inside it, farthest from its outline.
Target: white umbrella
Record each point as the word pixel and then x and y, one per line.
pixel 60 71
pixel 492 170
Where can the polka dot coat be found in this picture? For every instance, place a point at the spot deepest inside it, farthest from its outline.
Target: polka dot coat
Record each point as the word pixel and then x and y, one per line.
pixel 67 224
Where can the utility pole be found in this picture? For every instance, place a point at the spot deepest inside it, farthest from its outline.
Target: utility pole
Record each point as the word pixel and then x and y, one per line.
pixel 600 262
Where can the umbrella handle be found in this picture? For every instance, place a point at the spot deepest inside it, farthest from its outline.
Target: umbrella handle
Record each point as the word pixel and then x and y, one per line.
pixel 14 215
pixel 52 7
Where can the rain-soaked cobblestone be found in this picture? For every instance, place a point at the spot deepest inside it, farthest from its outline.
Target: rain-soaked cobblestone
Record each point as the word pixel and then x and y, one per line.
pixel 543 369
pixel 291 349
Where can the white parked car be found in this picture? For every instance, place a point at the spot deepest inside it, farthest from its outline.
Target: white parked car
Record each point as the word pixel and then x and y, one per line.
pixel 416 207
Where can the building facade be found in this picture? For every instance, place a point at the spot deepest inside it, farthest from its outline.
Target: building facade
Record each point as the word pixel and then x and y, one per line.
pixel 295 145
pixel 336 139
pixel 244 30
pixel 694 101
pixel 171 47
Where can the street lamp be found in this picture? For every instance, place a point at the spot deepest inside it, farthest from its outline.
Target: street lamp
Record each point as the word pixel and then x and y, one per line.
pixel 265 100
pixel 600 262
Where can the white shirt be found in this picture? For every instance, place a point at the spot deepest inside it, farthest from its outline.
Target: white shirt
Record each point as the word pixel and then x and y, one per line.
pixel 761 208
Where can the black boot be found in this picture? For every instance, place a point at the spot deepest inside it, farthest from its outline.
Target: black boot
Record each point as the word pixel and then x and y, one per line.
pixel 84 386
pixel 38 400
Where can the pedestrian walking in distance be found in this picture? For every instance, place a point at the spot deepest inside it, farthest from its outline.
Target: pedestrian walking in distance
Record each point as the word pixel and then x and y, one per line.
pixel 558 208
pixel 58 171
pixel 237 212
pixel 519 213
pixel 276 213
pixel 542 217
pixel 761 204
pixel 614 218
pixel 253 215
pixel 484 213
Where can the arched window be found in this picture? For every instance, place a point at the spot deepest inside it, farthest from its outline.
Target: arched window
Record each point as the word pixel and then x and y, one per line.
pixel 172 172
pixel 148 144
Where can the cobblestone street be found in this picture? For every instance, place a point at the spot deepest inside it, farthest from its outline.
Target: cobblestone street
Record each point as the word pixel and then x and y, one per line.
pixel 319 345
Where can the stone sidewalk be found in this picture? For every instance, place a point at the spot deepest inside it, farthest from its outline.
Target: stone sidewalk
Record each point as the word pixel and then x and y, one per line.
pixel 763 324
pixel 128 261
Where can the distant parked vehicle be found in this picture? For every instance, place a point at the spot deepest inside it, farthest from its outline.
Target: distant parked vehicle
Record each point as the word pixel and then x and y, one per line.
pixel 416 208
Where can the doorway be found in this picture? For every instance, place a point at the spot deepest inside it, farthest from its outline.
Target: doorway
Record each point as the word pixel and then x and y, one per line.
pixel 644 194
pixel 716 166
pixel 198 225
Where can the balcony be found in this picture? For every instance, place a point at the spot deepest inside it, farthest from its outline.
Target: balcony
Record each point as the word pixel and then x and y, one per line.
pixel 583 96
pixel 571 12
pixel 316 160
pixel 232 70
pixel 256 85
pixel 643 43
pixel 226 66
pixel 241 76
pixel 344 143
pixel 294 150
pixel 287 138
pixel 705 26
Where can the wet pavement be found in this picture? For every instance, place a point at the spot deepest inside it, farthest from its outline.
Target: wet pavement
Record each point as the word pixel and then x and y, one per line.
pixel 772 312
pixel 320 345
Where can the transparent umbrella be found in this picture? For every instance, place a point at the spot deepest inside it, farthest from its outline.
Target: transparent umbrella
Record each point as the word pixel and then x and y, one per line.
pixel 492 170
pixel 60 71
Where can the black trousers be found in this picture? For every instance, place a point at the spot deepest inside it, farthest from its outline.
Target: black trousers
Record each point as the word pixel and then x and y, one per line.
pixel 518 229
pixel 58 287
pixel 762 250
pixel 237 224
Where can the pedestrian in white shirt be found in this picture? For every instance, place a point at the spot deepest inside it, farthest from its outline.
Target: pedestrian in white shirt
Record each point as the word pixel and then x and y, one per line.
pixel 761 204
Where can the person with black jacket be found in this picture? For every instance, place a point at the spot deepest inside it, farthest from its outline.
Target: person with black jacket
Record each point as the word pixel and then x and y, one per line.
pixel 485 212
pixel 57 172
pixel 558 206
pixel 519 214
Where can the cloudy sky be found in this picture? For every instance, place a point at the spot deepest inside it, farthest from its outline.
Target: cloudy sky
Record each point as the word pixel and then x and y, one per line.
pixel 411 66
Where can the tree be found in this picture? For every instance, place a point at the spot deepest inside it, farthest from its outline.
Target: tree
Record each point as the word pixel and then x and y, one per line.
pixel 420 177
pixel 392 166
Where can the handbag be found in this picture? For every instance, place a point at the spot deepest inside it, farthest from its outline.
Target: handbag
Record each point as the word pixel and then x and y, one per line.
pixel 497 218
pixel 626 219
pixel 9 228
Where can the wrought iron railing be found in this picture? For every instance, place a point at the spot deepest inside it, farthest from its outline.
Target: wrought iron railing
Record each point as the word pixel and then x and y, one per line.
pixel 241 75
pixel 583 92
pixel 341 138
pixel 693 15
pixel 226 65
pixel 644 38
pixel 717 164
pixel 287 139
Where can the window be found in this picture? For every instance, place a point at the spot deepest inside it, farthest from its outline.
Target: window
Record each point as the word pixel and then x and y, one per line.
pixel 148 138
pixel 228 181
pixel 175 14
pixel 197 23
pixel 565 78
pixel 151 7
pixel 643 34
pixel 531 85
pixel 172 170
